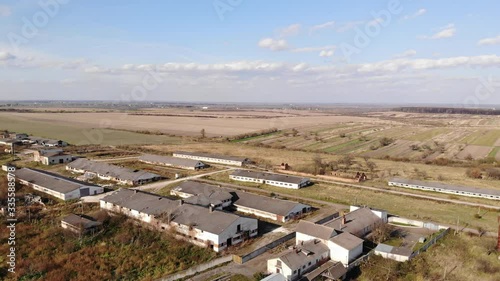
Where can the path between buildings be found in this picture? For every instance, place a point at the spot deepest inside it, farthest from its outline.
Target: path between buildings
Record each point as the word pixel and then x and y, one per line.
pixel 160 184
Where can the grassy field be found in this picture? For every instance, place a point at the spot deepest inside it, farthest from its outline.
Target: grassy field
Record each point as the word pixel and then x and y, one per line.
pixel 74 133
pixel 401 205
pixel 455 257
pixel 483 137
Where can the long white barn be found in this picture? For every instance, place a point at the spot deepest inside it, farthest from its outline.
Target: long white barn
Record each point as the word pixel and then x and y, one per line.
pixel 270 179
pixel 56 185
pixel 201 226
pixel 445 188
pixel 212 158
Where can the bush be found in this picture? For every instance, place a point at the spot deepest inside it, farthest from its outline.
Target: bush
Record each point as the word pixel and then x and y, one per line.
pixel 493 173
pixel 385 141
pixel 474 173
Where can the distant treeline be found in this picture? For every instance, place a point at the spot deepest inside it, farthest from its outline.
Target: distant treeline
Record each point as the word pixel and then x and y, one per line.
pixel 450 110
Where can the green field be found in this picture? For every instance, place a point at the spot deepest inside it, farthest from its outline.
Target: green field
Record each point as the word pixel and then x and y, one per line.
pixel 81 136
pixel 427 134
pixel 484 138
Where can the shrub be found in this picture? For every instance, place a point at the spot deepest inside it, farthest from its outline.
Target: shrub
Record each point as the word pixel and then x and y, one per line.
pixel 474 173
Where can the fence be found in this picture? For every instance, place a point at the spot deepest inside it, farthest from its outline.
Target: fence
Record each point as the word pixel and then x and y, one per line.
pixel 263 249
pixel 197 269
pixel 431 242
pixel 327 218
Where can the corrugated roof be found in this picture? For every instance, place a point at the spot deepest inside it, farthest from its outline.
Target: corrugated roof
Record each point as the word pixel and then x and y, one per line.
pixel 49 180
pixel 268 176
pixel 315 230
pixel 241 198
pixel 186 214
pixel 80 221
pixel 302 255
pixel 209 155
pixel 355 221
pixel 167 160
pixel 447 186
pixel 106 169
pixel 347 241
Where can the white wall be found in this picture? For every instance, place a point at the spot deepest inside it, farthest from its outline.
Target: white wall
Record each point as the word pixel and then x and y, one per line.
pixel 340 254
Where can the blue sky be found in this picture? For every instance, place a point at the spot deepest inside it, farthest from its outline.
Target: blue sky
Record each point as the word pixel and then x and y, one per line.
pixel 256 51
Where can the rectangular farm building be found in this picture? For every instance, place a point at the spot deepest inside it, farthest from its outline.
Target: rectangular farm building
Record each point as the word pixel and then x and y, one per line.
pixel 112 172
pixel 175 162
pixel 445 188
pixel 201 226
pixel 212 158
pixel 269 178
pixel 56 185
pixel 257 205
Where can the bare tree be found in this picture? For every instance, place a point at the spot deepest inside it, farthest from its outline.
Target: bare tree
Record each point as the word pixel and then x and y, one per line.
pixel 202 132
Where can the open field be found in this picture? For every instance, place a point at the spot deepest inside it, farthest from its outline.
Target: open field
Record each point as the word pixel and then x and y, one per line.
pixel 177 125
pixel 401 205
pixel 412 136
pixel 272 157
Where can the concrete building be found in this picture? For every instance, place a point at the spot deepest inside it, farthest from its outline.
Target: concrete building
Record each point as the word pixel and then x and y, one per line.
pixel 112 172
pixel 301 259
pixel 257 205
pixel 269 178
pixel 201 194
pixel 201 226
pixel 175 162
pixel 359 221
pixel 80 224
pixel 51 157
pixel 56 185
pixel 446 188
pixel 17 136
pixel 212 158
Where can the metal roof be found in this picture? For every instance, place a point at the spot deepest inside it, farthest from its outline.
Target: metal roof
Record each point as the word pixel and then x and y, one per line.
pixel 80 221
pixel 242 198
pixel 50 181
pixel 303 254
pixel 447 186
pixel 315 230
pixel 106 169
pixel 268 176
pixel 167 160
pixel 215 156
pixel 347 241
pixel 356 221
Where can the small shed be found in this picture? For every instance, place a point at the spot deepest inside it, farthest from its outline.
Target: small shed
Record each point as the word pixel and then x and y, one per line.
pixel 80 224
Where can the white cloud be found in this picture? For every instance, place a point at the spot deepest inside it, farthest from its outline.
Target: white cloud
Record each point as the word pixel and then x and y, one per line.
pixel 326 53
pixel 417 14
pixel 273 44
pixel 489 41
pixel 349 25
pixel 328 24
pixel 5 11
pixel 406 54
pixel 447 31
pixel 313 49
pixel 4 56
pixel 290 30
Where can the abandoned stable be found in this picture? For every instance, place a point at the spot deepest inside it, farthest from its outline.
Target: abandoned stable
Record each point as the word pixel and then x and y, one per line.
pixel 270 179
pixel 80 224
pixel 51 156
pixel 182 163
pixel 206 227
pixel 446 188
pixel 245 202
pixel 115 173
pixel 212 158
pixel 56 185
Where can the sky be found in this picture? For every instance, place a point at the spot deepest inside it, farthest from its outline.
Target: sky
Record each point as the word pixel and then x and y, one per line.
pixel 344 51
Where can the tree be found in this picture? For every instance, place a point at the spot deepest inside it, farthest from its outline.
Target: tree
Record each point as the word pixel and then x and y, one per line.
pixel 381 233
pixel 371 166
pixel 385 141
pixel 295 132
pixel 317 163
pixel 202 132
